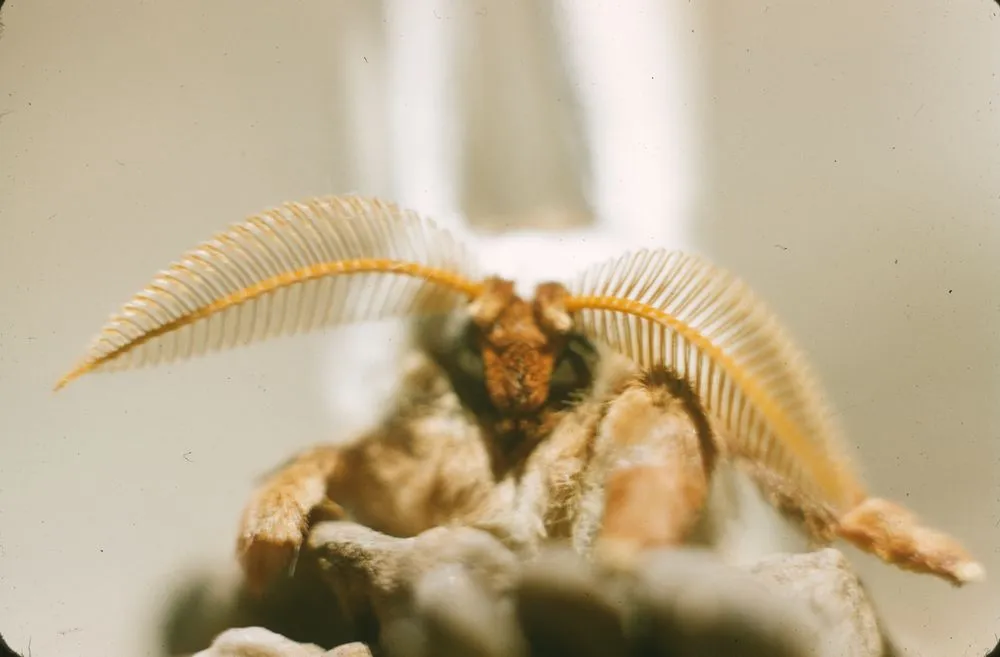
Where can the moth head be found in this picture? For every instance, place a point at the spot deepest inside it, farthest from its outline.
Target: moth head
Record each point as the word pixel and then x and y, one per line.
pixel 520 342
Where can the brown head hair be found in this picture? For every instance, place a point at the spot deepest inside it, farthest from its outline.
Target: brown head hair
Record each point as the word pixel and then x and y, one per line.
pixel 519 342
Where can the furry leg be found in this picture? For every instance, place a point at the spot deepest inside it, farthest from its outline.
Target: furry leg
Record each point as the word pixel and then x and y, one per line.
pixel 658 461
pixel 275 521
pixel 896 536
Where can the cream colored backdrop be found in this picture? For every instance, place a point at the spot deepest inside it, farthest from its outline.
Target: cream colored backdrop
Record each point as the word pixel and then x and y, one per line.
pixel 842 156
pixel 854 178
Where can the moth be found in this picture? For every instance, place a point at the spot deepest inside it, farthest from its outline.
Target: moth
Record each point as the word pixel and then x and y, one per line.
pixel 597 411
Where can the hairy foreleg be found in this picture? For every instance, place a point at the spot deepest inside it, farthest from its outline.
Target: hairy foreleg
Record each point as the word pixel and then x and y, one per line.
pixel 657 459
pixel 880 527
pixel 403 478
pixel 896 536
pixel 276 519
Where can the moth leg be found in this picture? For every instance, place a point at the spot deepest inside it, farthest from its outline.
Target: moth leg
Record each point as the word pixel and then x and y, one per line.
pixel 401 479
pixel 274 523
pixel 657 460
pixel 895 535
pixel 877 526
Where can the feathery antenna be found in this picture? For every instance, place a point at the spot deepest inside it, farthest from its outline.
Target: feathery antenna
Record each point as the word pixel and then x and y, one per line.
pixel 676 310
pixel 285 271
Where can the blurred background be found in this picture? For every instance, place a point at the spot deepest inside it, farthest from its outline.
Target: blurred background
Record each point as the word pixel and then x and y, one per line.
pixel 843 158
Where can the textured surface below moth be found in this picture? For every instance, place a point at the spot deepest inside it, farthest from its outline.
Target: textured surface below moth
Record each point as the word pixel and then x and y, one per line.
pixel 459 593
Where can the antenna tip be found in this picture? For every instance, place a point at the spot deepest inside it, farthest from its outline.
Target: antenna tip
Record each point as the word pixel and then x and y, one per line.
pixel 70 376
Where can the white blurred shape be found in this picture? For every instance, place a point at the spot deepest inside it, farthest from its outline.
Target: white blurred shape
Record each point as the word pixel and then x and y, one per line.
pixel 633 77
pixel 636 64
pixel 420 44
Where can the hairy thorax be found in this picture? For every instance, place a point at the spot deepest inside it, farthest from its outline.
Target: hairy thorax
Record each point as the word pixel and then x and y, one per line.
pixel 441 459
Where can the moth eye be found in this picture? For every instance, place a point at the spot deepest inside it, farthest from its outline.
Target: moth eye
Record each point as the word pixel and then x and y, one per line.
pixel 574 368
pixel 468 358
pixel 565 374
pixel 470 362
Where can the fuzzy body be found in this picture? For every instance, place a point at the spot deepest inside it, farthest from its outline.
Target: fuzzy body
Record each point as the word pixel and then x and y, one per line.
pixel 435 461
